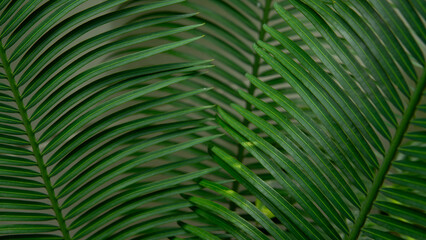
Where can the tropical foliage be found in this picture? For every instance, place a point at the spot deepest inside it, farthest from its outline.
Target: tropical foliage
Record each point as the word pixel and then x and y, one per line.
pixel 310 125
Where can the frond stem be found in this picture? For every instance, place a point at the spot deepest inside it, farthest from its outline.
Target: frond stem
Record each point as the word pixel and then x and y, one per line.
pixel 389 157
pixel 251 87
pixel 34 144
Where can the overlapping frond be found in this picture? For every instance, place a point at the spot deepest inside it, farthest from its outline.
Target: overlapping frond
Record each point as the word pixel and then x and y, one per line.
pixel 230 28
pixel 324 119
pixel 358 69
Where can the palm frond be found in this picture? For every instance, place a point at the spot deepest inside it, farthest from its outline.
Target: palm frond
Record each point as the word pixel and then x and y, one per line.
pixel 361 80
pixel 78 134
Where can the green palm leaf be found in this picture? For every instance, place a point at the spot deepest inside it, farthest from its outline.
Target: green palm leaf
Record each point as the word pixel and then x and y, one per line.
pixel 336 159
pixel 78 134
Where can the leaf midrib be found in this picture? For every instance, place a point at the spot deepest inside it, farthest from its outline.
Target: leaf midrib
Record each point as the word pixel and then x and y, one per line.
pixel 389 157
pixel 251 87
pixel 34 144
